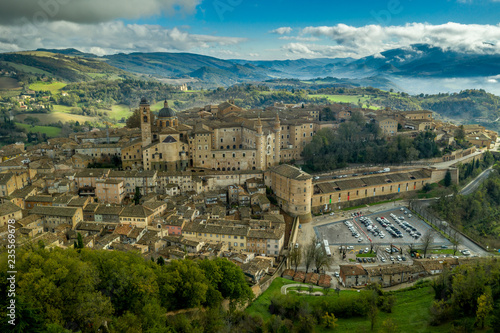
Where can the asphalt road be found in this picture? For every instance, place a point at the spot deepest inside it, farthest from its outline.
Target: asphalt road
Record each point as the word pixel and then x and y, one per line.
pixel 473 185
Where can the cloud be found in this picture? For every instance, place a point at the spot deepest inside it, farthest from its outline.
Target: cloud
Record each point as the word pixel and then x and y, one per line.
pixel 303 50
pixel 344 40
pixel 90 11
pixel 299 38
pixel 281 31
pixel 107 38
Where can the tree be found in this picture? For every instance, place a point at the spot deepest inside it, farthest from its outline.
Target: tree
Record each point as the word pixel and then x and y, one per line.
pixel 484 306
pixel 160 261
pixel 427 240
pixel 134 121
pixel 182 285
pixel 295 257
pixel 329 320
pixel 372 308
pixel 137 195
pixel 455 239
pixel 321 259
pixel 447 179
pixel 79 242
pixel 31 120
pixel 228 279
pixel 460 133
pixel 310 253
pixel 389 326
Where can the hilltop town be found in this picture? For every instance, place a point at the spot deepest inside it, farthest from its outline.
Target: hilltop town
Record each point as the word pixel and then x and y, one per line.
pixel 209 182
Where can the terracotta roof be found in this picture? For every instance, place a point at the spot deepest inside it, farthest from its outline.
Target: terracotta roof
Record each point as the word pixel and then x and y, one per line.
pixel 350 270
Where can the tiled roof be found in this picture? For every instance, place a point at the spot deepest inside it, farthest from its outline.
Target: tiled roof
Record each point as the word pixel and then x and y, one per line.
pixel 8 208
pixel 54 211
pixel 350 270
pixel 136 211
pixel 290 172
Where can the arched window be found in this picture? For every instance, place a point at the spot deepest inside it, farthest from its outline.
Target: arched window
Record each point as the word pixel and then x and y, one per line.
pixel 167 123
pixel 145 119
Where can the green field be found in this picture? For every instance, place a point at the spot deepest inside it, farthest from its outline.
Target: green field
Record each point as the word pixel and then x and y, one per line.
pixel 352 99
pixel 62 108
pixel 54 117
pixel 159 105
pixel 410 312
pixel 261 304
pixel 118 112
pixel 50 131
pixel 44 86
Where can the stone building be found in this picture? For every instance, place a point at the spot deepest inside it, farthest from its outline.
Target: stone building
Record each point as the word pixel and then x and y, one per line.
pixel 293 189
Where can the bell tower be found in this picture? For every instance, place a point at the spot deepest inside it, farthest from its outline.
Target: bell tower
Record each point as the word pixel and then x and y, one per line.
pixel 145 116
pixel 277 140
pixel 259 145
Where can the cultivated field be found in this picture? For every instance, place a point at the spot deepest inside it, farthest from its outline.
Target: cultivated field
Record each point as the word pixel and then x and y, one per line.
pixel 7 83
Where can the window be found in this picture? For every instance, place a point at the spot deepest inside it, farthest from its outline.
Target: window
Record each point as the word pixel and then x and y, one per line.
pixel 241 244
pixel 235 244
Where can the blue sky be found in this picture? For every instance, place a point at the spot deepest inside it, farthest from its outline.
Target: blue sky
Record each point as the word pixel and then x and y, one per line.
pixel 274 29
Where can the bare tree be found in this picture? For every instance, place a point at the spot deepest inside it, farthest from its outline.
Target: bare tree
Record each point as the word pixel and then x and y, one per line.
pixel 295 257
pixel 310 252
pixel 455 239
pixel 427 240
pixel 321 259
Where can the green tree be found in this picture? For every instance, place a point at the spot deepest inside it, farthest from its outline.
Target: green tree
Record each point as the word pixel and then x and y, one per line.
pixel 137 195
pixel 484 307
pixel 329 320
pixel 447 179
pixel 460 133
pixel 182 285
pixel 160 261
pixel 389 326
pixel 31 120
pixel 232 284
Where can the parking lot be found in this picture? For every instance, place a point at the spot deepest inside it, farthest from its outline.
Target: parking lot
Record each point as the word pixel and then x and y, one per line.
pixel 397 226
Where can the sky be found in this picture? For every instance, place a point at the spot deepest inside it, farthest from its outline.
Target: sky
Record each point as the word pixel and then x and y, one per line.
pixel 245 29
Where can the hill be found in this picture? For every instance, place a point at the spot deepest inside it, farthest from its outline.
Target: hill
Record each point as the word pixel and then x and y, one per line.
pixel 60 66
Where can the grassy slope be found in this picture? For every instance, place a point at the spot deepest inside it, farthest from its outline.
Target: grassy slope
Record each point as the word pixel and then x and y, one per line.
pixel 261 305
pixel 49 130
pixel 44 86
pixel 410 313
pixel 54 117
pixel 118 112
pixel 353 99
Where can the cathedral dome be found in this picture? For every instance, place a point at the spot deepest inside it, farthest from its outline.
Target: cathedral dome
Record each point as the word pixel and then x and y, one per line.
pixel 166 112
